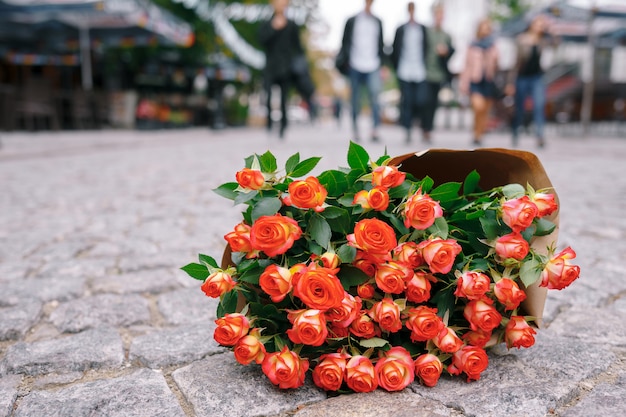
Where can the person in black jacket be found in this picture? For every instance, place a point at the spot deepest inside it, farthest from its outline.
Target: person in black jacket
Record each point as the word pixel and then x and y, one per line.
pixel 410 48
pixel 360 58
pixel 280 39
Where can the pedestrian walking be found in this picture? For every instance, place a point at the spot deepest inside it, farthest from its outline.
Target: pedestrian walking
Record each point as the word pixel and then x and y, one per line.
pixel 439 52
pixel 410 49
pixel 360 58
pixel 280 39
pixel 477 78
pixel 526 79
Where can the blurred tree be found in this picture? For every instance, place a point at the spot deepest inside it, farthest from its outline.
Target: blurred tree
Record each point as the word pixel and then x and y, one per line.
pixel 506 9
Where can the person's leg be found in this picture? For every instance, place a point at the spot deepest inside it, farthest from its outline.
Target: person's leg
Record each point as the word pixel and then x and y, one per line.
pixel 374 86
pixel 519 107
pixel 539 104
pixel 355 100
pixel 405 108
pixel 268 103
pixel 284 89
pixel 478 103
pixel 428 111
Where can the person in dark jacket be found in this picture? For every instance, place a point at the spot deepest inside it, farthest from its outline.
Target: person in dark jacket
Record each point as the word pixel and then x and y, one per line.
pixel 410 48
pixel 360 58
pixel 280 39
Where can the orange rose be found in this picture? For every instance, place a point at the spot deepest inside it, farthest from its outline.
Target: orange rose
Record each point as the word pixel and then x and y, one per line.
pixel 249 348
pixel 421 211
pixel 319 288
pixel 391 277
pixel 387 176
pixel 217 283
pixel 424 323
pixel 518 333
pixel 477 338
pixel 447 341
pixel 239 240
pixel 363 326
pixel 396 370
pixel 508 293
pixel 387 314
pixel 360 374
pixel 285 368
pixel 307 194
pixel 345 314
pixel 365 263
pixel 252 179
pixel 472 285
pixel 439 254
pixel 309 327
pixel 519 213
pixel 329 372
pixel 409 254
pixel 336 332
pixel 418 288
pixel 428 369
pixel 328 260
pixel 274 235
pixel 375 199
pixel 545 203
pixel 481 314
pixel 559 272
pixel 366 291
pixel 373 236
pixel 513 246
pixel 276 282
pixel 470 359
pixel 231 328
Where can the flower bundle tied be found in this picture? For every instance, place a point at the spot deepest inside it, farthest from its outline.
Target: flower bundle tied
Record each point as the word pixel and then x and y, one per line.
pixel 371 277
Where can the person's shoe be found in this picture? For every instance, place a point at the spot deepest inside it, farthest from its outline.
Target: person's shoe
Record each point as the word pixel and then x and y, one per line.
pixel 281 132
pixel 541 142
pixel 514 141
pixel 477 142
pixel 407 138
pixel 426 138
pixel 375 139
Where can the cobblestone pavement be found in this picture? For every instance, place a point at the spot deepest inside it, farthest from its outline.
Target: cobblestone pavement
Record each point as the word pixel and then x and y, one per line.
pixel 96 319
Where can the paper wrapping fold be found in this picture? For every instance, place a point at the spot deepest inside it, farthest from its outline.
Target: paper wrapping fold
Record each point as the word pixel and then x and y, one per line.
pixel 496 167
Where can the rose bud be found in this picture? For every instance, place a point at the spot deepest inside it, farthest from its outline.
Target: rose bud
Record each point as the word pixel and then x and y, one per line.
pixel 387 314
pixel 477 338
pixel 360 374
pixel 396 370
pixel 387 176
pixel 513 246
pixel 421 211
pixel 365 263
pixel 424 323
pixel 363 326
pixel 409 254
pixel 428 369
pixel 309 327
pixel 375 199
pixel 249 348
pixel 231 328
pixel 239 241
pixel 345 314
pixel 366 291
pixel 519 213
pixel 559 272
pixel 439 254
pixel 545 203
pixel 470 359
pixel 481 314
pixel 276 282
pixel 518 333
pixel 508 293
pixel 329 372
pixel 217 283
pixel 391 277
pixel 285 368
pixel 447 341
pixel 472 285
pixel 251 179
pixel 418 288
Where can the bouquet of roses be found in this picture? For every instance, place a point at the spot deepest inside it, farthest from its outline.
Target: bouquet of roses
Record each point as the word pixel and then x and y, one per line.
pixel 371 277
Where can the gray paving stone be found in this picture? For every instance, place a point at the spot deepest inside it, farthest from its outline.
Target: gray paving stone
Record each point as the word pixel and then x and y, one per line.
pixel 141 394
pixel 76 267
pixel 174 346
pixel 15 321
pixel 188 305
pixel 591 324
pixel 377 404
pixel 91 349
pixel 148 281
pixel 603 400
pixel 44 289
pixel 205 385
pixel 8 393
pixel 103 309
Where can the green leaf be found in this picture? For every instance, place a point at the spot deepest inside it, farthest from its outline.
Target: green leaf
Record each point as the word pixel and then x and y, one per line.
pixel 358 157
pixel 291 163
pixel 334 181
pixel 196 271
pixel 513 191
pixel 444 299
pixel 351 276
pixel 245 197
pixel 268 162
pixel 208 260
pixel 266 207
pixel 333 212
pixel 490 226
pixel 446 192
pixel 544 227
pixel 249 161
pixel 320 230
pixel 227 190
pixel 530 272
pixel 401 190
pixel 228 303
pixel 305 167
pixel 439 228
pixel 470 184
pixel 427 184
pixel 373 342
pixel 346 253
